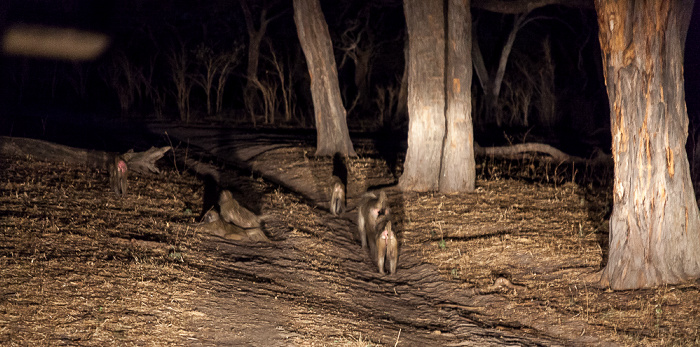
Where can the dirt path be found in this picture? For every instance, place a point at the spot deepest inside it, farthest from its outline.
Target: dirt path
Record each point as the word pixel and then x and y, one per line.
pixel 320 266
pixel 328 279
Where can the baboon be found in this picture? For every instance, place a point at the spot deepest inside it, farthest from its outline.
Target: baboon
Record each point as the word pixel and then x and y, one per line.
pixel 371 207
pixel 337 196
pixel 256 234
pixel 383 245
pixel 216 226
pixel 233 212
pixel 117 174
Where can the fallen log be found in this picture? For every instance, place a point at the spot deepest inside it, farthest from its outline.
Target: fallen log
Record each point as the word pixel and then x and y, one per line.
pixel 521 150
pixel 140 162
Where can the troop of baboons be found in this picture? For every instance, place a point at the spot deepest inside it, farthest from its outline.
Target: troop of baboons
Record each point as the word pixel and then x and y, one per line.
pixel 232 221
pixel 373 221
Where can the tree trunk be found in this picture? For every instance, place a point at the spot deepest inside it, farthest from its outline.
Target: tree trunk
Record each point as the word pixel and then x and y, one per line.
pixel 426 94
pixel 458 170
pixel 254 38
pixel 402 101
pixel 495 87
pixel 655 223
pixel 491 85
pixel 331 126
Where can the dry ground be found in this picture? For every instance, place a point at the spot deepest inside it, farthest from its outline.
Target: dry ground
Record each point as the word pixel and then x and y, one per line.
pixel 79 266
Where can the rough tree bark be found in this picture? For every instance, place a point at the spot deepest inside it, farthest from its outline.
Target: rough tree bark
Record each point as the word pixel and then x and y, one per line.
pixel 331 126
pixel 458 170
pixel 440 152
pixel 655 223
pixel 425 21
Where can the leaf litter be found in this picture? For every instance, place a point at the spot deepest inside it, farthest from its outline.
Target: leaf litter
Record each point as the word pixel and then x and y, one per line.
pixel 80 266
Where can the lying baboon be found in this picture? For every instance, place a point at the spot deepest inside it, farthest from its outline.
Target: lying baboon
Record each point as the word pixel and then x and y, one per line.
pixel 214 225
pixel 233 212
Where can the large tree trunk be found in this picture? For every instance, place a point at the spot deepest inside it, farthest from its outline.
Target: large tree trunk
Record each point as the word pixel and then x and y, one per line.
pixel 655 224
pixel 458 170
pixel 426 94
pixel 331 126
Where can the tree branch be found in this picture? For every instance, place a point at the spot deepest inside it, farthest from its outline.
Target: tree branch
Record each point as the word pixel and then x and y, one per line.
pixel 515 7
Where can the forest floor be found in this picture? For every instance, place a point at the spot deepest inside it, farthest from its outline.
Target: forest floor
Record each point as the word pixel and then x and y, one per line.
pixel 81 266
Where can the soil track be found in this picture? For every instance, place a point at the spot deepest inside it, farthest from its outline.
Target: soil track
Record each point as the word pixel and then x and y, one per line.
pixel 316 262
pixel 329 274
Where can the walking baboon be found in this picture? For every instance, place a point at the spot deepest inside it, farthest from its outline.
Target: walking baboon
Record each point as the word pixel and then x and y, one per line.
pixel 371 207
pixel 383 245
pixel 337 196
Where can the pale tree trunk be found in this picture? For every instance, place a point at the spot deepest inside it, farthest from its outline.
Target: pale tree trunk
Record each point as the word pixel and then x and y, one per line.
pixel 426 94
pixel 458 170
pixel 655 223
pixel 331 126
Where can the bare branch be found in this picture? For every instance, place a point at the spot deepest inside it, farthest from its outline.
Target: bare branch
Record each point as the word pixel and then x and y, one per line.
pixel 515 7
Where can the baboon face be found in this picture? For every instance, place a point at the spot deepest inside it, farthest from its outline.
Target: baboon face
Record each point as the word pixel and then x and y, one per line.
pixel 211 216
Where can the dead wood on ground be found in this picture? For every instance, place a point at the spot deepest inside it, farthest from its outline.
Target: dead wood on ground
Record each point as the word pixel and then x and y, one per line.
pixel 140 162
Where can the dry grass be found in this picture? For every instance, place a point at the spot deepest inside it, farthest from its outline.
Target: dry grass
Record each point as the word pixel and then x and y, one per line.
pixel 533 224
pixel 78 266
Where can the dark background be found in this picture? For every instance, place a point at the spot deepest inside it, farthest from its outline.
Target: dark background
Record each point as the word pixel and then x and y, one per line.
pixel 38 96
